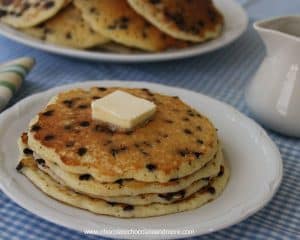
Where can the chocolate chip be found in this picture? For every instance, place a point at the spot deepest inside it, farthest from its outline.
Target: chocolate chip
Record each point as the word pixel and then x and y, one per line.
pixel 183 152
pixel 84 124
pixel 19 166
pixel 199 128
pixel 68 103
pixel 168 121
pixel 115 151
pixel 49 137
pixel 211 189
pixel 35 128
pixel 154 1
pixel 85 177
pixel 111 204
pixel 187 131
pixel 81 151
pixel 102 89
pixel 83 106
pixel 96 97
pixel 119 181
pixel 69 35
pixel 27 151
pixel 185 119
pixel 49 4
pixel 221 173
pixel 41 162
pixel 107 142
pixel 128 208
pixel 2 13
pixel 70 144
pixel 151 167
pixel 177 18
pixel 68 127
pixel 98 128
pixel 173 179
pixel 197 154
pixel 173 195
pixel 147 144
pixel 144 152
pixel 48 113
pixel 200 141
pixel 92 10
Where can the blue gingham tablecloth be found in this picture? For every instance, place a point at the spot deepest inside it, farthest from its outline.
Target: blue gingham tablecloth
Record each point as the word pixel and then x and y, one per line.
pixel 222 74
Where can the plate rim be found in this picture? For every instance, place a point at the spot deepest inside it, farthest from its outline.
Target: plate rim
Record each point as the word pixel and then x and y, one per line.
pixel 278 164
pixel 19 37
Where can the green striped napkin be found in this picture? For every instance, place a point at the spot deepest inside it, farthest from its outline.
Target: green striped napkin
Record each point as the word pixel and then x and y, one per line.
pixel 12 75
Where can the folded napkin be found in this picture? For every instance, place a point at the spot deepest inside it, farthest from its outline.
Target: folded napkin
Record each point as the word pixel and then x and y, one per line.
pixel 12 75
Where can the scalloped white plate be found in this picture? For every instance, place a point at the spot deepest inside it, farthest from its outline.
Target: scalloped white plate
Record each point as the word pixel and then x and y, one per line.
pixel 236 21
pixel 256 170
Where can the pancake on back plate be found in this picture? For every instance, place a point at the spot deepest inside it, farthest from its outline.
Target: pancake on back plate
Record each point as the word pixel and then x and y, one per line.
pixel 192 20
pixel 67 28
pixel 116 20
pixel 29 13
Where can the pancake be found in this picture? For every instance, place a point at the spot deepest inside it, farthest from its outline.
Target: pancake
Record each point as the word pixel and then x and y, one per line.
pixel 115 19
pixel 24 14
pixel 117 48
pixel 88 185
pixel 177 141
pixel 192 20
pixel 67 28
pixel 29 168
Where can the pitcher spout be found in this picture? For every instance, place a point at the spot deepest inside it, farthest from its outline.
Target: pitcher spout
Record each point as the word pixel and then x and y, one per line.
pixel 280 33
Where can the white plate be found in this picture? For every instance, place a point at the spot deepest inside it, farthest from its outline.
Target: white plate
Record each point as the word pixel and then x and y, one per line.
pixel 236 21
pixel 256 169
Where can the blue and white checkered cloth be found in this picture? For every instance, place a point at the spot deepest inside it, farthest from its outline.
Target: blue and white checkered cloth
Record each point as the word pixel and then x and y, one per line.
pixel 222 74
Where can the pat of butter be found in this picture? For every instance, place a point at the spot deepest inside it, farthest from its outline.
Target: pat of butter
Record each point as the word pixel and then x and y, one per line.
pixel 122 110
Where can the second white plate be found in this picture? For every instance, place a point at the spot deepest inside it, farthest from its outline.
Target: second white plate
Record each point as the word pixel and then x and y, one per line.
pixel 256 171
pixel 236 21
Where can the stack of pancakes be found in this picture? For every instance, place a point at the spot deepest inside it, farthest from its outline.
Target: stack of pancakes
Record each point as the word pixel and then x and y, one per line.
pixel 149 25
pixel 172 163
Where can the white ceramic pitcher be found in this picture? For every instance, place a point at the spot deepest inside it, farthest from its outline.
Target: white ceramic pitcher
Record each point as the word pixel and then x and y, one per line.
pixel 273 95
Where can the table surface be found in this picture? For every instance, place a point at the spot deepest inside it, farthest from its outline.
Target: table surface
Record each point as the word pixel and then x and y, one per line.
pixel 222 74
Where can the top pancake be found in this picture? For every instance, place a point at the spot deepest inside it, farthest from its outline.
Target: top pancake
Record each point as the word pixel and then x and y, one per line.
pixel 116 20
pixel 193 20
pixel 28 13
pixel 176 142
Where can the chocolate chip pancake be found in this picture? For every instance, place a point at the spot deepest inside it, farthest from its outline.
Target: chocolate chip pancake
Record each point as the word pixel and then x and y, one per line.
pixel 192 20
pixel 86 184
pixel 28 13
pixel 29 168
pixel 67 28
pixel 177 141
pixel 116 20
